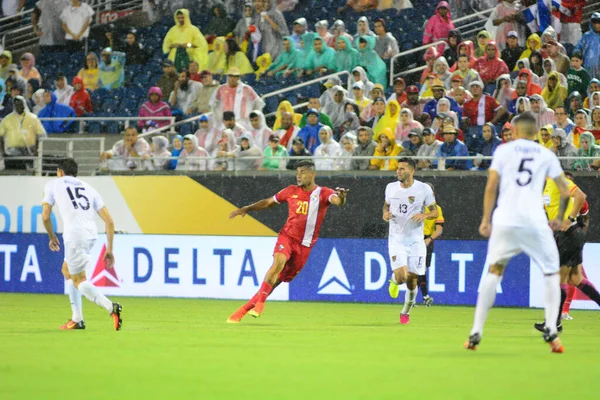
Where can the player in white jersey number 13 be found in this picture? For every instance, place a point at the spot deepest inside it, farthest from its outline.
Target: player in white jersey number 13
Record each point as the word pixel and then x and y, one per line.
pixel 78 203
pixel 404 207
pixel 519 224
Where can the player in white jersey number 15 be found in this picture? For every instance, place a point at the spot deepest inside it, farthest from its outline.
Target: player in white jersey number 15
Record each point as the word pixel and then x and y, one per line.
pixel 405 202
pixel 519 224
pixel 78 203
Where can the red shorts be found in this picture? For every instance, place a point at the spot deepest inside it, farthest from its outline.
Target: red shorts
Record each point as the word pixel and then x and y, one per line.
pixel 296 256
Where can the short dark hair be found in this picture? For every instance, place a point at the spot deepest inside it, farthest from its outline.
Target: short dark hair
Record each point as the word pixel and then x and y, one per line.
pixel 578 55
pixel 306 163
pixel 228 115
pixel 187 73
pixel 381 21
pixel 527 118
pixel 68 166
pixel 409 161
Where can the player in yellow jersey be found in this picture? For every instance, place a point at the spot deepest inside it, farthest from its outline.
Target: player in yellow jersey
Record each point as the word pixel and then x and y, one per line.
pixel 432 230
pixel 570 242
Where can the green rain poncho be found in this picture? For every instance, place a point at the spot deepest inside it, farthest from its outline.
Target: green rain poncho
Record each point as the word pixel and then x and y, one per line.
pixel 370 60
pixel 324 58
pixel 305 55
pixel 286 57
pixel 346 60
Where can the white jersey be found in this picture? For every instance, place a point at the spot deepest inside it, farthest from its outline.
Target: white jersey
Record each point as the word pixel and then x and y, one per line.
pixel 523 166
pixel 404 204
pixel 77 204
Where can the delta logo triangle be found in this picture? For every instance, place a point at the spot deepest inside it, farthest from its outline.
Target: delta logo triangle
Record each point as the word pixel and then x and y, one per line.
pixel 334 279
pixel 103 276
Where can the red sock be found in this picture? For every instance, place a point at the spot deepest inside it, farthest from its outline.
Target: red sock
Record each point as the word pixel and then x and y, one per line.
pixel 264 292
pixel 250 304
pixel 570 295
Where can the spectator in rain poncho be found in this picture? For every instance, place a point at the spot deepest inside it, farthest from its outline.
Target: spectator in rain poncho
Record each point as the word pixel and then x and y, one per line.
pixel 127 154
pixel 28 70
pixel 336 109
pixel 63 91
pixel 206 134
pixel 534 43
pixel 285 106
pixel 217 59
pixel 359 75
pixel 322 59
pixel 523 104
pixel 287 131
pixel 322 29
pixel 81 101
pixel 247 148
pixel 466 48
pixel 286 58
pixel 562 148
pixel 160 154
pixel 549 66
pixel 259 130
pixel 443 109
pixel 526 75
pixel 554 94
pixel 439 26
pixel 220 24
pixel 111 72
pixel 350 126
pixel 589 46
pixel 368 58
pixel 338 29
pixel 543 114
pixel 273 155
pixel 303 56
pixel 177 39
pixel 386 45
pixel 20 130
pixel 431 54
pixel 327 95
pixel 310 132
pixel 386 147
pixel 346 58
pixel 442 72
pixel 504 93
pixel 55 110
pixel 504 19
pixel 359 98
pixel 38 101
pixel 271 23
pixel 154 107
pixel 483 38
pixel 348 146
pixel 413 144
pixel 241 28
pixel 487 145
pixel 176 149
pixel 191 149
pixel 407 123
pixel 363 28
pixel 325 155
pixel 587 150
pixel 593 86
pixel 490 66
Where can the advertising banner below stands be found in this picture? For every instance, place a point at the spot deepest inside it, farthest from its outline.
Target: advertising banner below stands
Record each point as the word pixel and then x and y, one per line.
pixel 220 267
pixel 28 266
pixel 358 270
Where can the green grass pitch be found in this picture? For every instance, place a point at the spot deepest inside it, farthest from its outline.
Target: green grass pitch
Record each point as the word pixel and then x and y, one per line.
pixel 183 349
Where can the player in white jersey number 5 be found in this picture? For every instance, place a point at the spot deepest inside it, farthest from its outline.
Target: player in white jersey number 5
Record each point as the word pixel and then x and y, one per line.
pixel 78 204
pixel 404 207
pixel 519 224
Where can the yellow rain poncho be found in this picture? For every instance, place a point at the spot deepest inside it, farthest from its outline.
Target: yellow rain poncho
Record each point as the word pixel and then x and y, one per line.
pixel 286 106
pixel 389 119
pixel 184 34
pixel 263 62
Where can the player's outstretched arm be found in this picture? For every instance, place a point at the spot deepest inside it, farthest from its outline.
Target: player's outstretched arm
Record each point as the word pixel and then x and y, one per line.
pixel 489 200
pixel 259 205
pixel 339 198
pixel 110 235
pixel 46 212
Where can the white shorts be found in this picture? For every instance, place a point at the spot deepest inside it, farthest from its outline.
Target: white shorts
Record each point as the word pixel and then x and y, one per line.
pixel 570 33
pixel 77 255
pixel 536 241
pixel 411 256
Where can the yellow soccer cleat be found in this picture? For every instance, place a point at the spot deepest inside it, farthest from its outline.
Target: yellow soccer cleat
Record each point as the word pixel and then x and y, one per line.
pixel 394 289
pixel 257 310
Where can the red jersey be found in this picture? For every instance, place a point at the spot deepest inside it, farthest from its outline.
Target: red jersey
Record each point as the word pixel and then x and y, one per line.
pixel 481 111
pixel 306 211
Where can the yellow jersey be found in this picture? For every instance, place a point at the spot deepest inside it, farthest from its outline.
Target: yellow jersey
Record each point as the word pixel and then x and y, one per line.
pixel 429 224
pixel 552 198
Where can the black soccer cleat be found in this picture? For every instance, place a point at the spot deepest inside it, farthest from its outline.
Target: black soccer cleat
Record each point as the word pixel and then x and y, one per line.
pixel 553 340
pixel 71 325
pixel 116 316
pixel 473 342
pixel 541 326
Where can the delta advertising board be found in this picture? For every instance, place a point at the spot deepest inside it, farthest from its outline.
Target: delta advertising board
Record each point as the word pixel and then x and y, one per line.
pixel 230 267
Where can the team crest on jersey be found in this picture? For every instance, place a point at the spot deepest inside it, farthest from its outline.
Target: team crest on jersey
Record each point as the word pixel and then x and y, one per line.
pixel 295 196
pixel 411 199
pixel 281 247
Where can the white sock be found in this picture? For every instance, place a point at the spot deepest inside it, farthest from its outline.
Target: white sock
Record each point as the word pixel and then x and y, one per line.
pixel 552 301
pixel 485 301
pixel 409 300
pixel 92 293
pixel 75 298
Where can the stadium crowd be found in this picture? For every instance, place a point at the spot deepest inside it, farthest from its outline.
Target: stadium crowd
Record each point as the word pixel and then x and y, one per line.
pixel 461 105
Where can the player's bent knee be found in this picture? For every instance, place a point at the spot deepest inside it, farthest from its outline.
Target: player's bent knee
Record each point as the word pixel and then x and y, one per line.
pixel 65 271
pixel 78 279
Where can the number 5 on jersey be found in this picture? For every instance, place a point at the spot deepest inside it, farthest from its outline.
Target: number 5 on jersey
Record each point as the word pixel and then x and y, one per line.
pixel 302 207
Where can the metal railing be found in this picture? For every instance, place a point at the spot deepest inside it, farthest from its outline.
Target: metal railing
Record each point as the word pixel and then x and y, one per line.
pixel 87 159
pixel 301 85
pixel 459 24
pixel 82 121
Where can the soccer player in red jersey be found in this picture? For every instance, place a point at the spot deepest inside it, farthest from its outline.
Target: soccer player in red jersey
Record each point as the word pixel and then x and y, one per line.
pixel 307 205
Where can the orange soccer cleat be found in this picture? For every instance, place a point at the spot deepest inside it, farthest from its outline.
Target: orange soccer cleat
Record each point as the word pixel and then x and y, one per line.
pixel 237 316
pixel 70 325
pixel 257 310
pixel 116 316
